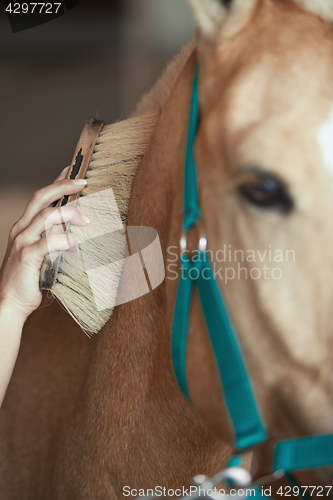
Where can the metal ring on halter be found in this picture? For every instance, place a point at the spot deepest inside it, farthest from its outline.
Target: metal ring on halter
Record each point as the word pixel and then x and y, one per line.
pixel 239 477
pixel 202 239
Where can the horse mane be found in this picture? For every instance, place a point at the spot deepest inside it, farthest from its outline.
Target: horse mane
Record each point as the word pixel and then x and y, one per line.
pixel 156 98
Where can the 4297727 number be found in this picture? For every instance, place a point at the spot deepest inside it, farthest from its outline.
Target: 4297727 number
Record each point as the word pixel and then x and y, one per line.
pixel 33 8
pixel 310 491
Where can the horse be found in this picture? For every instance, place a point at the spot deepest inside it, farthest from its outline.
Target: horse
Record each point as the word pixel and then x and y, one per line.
pixel 84 418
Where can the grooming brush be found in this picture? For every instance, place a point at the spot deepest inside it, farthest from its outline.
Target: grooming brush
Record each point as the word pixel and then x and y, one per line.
pixel 107 156
pixel 78 170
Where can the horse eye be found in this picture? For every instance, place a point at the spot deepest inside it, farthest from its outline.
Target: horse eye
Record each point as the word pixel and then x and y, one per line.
pixel 267 192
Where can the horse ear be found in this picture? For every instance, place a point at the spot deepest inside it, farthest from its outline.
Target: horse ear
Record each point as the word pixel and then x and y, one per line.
pixel 210 13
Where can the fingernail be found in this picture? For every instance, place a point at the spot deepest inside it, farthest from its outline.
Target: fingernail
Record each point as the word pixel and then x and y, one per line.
pixel 65 170
pixel 80 182
pixel 85 218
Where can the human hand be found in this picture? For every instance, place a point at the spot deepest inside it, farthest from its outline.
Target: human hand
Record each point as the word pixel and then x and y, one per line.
pixel 19 273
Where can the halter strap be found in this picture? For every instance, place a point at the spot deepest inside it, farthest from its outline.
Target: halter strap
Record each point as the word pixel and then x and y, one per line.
pixel 239 396
pixel 191 208
pixel 304 453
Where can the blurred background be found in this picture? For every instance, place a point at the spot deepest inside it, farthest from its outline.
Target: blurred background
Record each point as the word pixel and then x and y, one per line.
pixel 96 60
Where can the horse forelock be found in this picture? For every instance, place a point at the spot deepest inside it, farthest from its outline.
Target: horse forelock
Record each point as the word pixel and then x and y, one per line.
pixel 323 8
pixel 227 18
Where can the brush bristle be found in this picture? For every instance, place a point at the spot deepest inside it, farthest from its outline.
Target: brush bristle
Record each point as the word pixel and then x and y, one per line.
pixel 117 155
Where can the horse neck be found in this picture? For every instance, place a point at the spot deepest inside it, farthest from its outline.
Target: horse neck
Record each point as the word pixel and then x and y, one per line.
pixel 132 364
pixel 140 330
pixel 156 202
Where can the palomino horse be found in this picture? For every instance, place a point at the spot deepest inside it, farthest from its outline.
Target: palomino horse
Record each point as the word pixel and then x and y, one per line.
pixel 84 418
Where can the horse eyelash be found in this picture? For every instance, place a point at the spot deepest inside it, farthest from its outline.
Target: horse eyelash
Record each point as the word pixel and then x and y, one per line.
pixel 226 3
pixel 242 180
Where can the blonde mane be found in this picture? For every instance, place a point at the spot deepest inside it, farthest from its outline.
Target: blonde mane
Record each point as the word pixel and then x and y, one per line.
pixel 156 98
pixel 323 8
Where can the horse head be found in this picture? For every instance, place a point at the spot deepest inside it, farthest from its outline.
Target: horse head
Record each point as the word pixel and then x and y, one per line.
pixel 264 154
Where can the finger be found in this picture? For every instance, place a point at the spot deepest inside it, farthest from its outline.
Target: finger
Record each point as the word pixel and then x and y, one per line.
pixel 63 174
pixel 45 220
pixel 44 197
pixel 45 246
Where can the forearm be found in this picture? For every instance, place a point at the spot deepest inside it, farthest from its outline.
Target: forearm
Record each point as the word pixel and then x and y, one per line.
pixel 19 274
pixel 11 325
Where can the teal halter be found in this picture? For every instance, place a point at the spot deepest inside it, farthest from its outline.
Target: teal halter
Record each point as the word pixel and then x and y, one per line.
pixel 245 417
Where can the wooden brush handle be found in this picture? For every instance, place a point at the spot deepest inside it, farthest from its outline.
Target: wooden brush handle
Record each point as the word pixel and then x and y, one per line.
pixel 78 170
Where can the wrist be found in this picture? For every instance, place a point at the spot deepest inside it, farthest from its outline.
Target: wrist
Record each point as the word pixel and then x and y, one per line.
pixel 11 311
